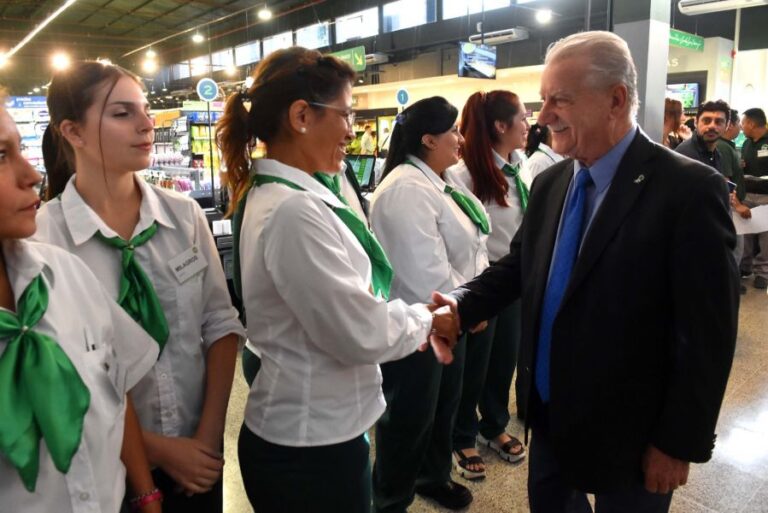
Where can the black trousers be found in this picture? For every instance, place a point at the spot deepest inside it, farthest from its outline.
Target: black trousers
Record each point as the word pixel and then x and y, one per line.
pixel 548 491
pixel 177 502
pixel 414 436
pixel 323 479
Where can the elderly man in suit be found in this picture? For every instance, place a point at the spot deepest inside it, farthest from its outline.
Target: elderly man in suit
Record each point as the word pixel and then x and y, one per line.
pixel 624 263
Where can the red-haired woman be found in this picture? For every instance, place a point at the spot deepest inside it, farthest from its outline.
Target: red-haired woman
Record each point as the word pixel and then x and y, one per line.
pixel 494 128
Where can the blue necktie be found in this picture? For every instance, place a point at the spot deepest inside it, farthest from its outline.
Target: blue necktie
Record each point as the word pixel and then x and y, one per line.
pixel 562 264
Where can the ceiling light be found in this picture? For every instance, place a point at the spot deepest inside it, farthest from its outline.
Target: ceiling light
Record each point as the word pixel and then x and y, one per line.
pixel 39 27
pixel 197 38
pixel 231 70
pixel 30 93
pixel 151 54
pixel 3 60
pixel 105 62
pixel 36 89
pixel 544 16
pixel 60 61
pixel 149 66
pixel 264 13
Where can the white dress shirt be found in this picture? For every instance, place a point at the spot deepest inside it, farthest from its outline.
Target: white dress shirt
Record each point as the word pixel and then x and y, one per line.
pixel 199 311
pixel 110 353
pixel 431 242
pixel 505 220
pixel 321 333
pixel 541 159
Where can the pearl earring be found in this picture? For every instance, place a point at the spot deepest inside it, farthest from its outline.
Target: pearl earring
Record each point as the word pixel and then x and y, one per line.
pixel 303 130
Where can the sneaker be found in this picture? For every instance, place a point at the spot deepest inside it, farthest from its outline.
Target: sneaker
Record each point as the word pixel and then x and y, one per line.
pixel 761 282
pixel 745 274
pixel 449 495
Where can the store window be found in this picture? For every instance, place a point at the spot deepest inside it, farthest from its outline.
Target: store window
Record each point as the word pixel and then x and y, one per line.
pixel 222 59
pixel 277 42
pixel 247 53
pixel 314 36
pixel 199 65
pixel 357 25
pixel 456 8
pixel 404 14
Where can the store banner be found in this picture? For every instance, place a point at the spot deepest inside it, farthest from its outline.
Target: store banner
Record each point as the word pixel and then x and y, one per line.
pixel 201 105
pixel 686 40
pixel 355 57
pixel 26 102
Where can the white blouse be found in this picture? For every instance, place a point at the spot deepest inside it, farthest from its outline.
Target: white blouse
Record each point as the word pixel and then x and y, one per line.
pixel 306 290
pixel 505 220
pixel 541 159
pixel 199 311
pixel 80 315
pixel 431 242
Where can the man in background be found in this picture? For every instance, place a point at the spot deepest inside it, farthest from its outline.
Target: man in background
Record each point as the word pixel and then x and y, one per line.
pixel 754 155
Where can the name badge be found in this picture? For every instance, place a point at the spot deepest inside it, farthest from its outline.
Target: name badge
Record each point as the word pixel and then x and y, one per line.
pixel 762 153
pixel 188 264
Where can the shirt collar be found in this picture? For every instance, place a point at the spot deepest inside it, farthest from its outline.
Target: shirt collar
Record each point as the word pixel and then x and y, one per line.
pixel 24 263
pixel 82 222
pixel 604 169
pixel 301 178
pixel 427 171
pixel 549 152
pixel 501 161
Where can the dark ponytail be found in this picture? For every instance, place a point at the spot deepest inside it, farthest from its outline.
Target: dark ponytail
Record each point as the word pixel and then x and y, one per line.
pixel 432 116
pixel 282 78
pixel 537 134
pixel 70 94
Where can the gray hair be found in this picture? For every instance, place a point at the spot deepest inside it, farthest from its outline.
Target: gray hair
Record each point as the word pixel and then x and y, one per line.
pixel 610 60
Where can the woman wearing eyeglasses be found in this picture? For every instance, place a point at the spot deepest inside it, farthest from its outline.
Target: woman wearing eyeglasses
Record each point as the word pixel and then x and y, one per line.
pixel 434 231
pixel 314 282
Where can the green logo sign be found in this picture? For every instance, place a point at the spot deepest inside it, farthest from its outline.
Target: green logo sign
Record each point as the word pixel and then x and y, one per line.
pixel 686 40
pixel 355 57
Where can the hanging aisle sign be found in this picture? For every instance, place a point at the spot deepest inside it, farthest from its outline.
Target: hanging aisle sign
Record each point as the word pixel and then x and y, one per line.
pixel 355 57
pixel 207 89
pixel 402 96
pixel 686 40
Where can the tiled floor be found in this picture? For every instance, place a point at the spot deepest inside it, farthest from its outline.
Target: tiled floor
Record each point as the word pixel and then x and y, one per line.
pixel 736 480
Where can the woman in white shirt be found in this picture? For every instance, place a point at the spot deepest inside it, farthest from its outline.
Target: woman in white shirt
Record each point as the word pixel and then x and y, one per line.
pixel 65 368
pixel 540 155
pixel 434 231
pixel 314 282
pixel 153 252
pixel 494 128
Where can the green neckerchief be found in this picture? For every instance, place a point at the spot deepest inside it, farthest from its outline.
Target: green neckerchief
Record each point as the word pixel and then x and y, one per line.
pixel 137 294
pixel 333 184
pixel 522 189
pixel 381 269
pixel 41 393
pixel 466 204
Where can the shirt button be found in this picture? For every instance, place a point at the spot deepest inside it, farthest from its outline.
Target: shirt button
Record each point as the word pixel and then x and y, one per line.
pixel 84 496
pixel 164 375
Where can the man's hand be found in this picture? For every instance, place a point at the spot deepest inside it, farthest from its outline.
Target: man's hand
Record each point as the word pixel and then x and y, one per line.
pixel 663 473
pixel 740 208
pixel 445 327
pixel 194 466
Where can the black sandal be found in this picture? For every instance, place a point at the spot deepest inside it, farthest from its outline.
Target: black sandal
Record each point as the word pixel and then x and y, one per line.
pixel 461 463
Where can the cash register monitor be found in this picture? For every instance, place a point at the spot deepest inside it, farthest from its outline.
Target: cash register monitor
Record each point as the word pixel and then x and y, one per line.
pixel 363 167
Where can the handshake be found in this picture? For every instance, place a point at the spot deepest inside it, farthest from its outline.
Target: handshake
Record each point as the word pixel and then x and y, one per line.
pixel 445 327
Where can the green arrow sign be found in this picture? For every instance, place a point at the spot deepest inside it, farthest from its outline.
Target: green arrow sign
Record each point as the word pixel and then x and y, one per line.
pixel 355 57
pixel 686 40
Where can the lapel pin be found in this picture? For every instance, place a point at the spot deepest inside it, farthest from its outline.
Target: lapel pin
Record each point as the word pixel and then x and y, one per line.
pixel 639 178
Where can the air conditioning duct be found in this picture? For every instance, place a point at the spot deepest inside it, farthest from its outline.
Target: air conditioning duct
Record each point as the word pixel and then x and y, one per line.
pixel 499 37
pixel 692 7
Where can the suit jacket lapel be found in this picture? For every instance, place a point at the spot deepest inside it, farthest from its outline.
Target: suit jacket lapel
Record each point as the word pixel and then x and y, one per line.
pixel 630 179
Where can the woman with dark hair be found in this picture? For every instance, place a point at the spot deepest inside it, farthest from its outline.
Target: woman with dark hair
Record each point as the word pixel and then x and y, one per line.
pixel 539 152
pixel 434 230
pixel 314 282
pixel 494 128
pixel 65 419
pixel 155 255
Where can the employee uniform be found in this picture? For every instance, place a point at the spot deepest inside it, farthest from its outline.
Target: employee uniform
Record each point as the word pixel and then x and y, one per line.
pixel 491 360
pixel 755 156
pixel 183 266
pixel 432 244
pixel 105 353
pixel 541 159
pixel 309 291
pixel 344 183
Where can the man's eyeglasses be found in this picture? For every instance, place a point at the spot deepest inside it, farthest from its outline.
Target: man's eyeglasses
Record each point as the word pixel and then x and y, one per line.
pixel 347 113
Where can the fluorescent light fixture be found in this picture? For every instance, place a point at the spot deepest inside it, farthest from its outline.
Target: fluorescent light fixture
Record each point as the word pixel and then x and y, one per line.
pixel 264 13
pixel 544 16
pixel 60 61
pixel 37 29
pixel 197 38
pixel 105 62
